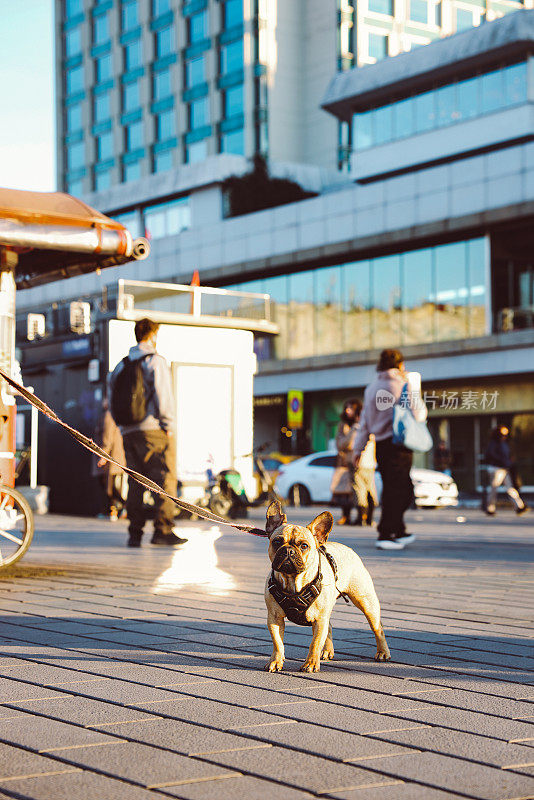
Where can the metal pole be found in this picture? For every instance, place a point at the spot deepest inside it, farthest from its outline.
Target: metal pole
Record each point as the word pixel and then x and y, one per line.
pixel 34 439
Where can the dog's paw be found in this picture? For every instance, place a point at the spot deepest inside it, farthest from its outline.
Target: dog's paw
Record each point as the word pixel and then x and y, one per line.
pixel 274 665
pixel 327 654
pixel 311 665
pixel 382 655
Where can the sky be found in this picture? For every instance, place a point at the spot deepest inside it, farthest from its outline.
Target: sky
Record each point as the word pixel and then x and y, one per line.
pixel 27 117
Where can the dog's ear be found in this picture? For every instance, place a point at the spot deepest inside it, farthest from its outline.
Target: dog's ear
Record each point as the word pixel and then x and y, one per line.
pixel 275 517
pixel 321 526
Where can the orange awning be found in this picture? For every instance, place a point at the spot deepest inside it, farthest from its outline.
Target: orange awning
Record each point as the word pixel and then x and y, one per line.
pixel 56 236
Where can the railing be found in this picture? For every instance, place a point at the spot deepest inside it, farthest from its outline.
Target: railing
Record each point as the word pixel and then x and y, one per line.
pixel 172 302
pixel 514 319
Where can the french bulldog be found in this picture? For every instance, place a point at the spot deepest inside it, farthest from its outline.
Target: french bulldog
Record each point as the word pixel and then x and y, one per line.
pixel 304 581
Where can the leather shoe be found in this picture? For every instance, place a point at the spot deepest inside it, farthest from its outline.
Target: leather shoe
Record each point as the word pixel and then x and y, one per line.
pixel 168 539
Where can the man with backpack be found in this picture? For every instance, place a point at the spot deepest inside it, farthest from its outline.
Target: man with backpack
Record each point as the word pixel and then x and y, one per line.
pixel 142 405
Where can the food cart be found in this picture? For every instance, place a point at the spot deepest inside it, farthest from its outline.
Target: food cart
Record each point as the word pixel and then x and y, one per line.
pixel 43 237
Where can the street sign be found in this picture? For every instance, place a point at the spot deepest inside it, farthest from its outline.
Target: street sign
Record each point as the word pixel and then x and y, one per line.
pixel 295 409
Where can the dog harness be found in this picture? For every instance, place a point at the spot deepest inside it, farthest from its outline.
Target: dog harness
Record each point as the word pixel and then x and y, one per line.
pixel 295 604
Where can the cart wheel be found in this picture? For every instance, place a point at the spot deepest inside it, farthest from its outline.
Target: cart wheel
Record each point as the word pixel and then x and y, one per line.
pixel 16 525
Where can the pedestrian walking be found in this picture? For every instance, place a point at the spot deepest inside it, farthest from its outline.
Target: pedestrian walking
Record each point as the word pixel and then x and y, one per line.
pixel 442 457
pixel 501 471
pixel 111 477
pixel 394 460
pixel 364 483
pixel 142 405
pixel 342 485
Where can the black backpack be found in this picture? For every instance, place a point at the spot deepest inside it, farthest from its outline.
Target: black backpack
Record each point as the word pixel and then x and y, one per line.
pixel 128 397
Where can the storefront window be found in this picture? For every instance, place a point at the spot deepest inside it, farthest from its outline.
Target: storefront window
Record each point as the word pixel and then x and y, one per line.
pixel 387 301
pixel 357 306
pixel 301 334
pixel 452 292
pixel 328 321
pixel 417 296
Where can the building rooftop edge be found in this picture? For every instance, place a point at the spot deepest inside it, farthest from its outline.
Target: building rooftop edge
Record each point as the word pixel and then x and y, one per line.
pixel 509 35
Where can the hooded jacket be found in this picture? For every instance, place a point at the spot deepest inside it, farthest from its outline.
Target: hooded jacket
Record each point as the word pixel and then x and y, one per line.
pixel 158 389
pixel 377 413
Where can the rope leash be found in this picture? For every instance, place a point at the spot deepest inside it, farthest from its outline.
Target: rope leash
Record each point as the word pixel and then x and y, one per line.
pixel 204 513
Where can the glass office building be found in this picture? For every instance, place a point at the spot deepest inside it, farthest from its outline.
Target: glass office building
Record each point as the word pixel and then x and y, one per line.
pixel 171 82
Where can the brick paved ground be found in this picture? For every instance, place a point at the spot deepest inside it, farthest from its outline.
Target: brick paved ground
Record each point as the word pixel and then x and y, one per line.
pixel 138 673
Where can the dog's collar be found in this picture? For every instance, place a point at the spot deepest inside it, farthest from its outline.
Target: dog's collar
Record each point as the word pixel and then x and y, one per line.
pixel 295 604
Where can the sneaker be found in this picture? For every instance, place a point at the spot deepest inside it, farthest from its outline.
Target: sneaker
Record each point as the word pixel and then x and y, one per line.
pixel 168 539
pixel 522 510
pixel 389 544
pixel 405 538
pixel 134 541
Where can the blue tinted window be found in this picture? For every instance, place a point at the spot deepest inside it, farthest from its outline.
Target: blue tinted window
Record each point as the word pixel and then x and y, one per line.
pixel 101 107
pixel 131 172
pixel 381 6
pixel 161 85
pixel 232 57
pixel 75 187
pixel 134 135
pixel 130 15
pixel 167 219
pixel 73 42
pixel 104 146
pixel 165 125
pixel 515 83
pixel 130 96
pixel 232 13
pixel 103 68
pixel 464 19
pixel 74 80
pixel 199 113
pixel 132 221
pixel 195 72
pixel 100 29
pixel 363 130
pixel 404 122
pixel 160 7
pixel 75 156
pixel 197 26
pixel 234 101
pixel 132 56
pixel 165 42
pixel 419 10
pixel 73 7
pixel 233 142
pixel 74 118
pixel 163 161
pixel 378 45
pixel 492 95
pixel 467 98
pixel 446 104
pixel 197 151
pixel 383 124
pixel 102 180
pixel 425 112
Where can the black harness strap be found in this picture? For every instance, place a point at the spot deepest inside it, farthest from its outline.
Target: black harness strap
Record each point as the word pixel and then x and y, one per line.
pixel 331 560
pixel 295 604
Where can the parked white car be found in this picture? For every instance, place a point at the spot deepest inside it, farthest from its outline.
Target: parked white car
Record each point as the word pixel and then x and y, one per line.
pixel 307 480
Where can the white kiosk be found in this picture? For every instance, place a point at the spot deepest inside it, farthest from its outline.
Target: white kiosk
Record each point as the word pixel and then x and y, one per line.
pixel 208 341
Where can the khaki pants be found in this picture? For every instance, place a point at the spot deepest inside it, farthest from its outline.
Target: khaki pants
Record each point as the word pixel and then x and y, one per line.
pixel 501 477
pixel 152 453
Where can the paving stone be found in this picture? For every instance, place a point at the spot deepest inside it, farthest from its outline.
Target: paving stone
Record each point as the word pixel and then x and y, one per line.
pixel 219 715
pixel 393 789
pixel 121 691
pixel 476 780
pixel 149 766
pixel 44 734
pixel 493 752
pixel 239 786
pixel 83 711
pixel 301 771
pixel 15 762
pixel 77 784
pixel 13 691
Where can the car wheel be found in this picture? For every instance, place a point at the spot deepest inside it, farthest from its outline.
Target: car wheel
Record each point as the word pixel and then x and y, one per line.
pixel 299 495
